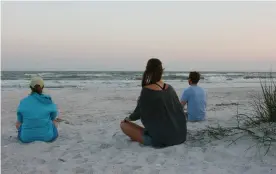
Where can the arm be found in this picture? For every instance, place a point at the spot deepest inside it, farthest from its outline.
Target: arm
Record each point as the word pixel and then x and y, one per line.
pixel 184 98
pixel 19 120
pixel 52 107
pixel 17 125
pixel 54 112
pixel 53 115
pixel 136 113
pixel 206 97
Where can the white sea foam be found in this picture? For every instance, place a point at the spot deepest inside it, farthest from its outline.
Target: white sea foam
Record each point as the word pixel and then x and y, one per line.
pixel 86 79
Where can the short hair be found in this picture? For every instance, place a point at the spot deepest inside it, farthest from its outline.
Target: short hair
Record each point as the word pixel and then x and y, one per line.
pixel 194 77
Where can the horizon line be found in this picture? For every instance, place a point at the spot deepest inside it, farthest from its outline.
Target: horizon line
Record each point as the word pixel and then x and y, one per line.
pixel 131 71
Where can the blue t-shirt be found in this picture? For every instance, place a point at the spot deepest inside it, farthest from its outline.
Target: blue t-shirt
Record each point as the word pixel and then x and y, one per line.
pixel 195 97
pixel 36 113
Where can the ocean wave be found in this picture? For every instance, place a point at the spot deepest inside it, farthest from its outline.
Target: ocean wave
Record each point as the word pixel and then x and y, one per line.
pixel 60 79
pixel 48 86
pixel 257 77
pixel 175 77
pixel 179 77
pixel 39 74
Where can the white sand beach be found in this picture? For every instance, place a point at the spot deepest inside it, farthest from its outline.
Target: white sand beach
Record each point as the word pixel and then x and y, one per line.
pixel 93 55
pixel 90 140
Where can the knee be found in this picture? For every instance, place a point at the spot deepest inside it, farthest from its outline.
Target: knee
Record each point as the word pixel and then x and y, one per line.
pixel 123 125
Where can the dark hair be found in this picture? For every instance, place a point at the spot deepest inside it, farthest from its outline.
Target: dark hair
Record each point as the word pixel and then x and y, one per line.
pixel 153 72
pixel 194 77
pixel 36 89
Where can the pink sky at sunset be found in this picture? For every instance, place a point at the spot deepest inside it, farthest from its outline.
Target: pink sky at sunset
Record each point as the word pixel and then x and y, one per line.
pixel 213 36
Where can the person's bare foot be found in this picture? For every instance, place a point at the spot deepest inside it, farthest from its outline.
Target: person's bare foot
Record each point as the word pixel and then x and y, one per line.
pixel 55 123
pixel 59 120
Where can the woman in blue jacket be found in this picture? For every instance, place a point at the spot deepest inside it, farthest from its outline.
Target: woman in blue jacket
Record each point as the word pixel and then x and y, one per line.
pixel 36 115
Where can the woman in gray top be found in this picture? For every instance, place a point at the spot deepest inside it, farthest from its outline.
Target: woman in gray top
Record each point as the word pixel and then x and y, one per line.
pixel 160 112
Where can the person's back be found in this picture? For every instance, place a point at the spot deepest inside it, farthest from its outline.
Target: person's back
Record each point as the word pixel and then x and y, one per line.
pixel 163 117
pixel 195 97
pixel 35 116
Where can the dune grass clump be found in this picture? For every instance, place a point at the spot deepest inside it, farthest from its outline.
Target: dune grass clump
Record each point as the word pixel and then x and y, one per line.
pixel 264 104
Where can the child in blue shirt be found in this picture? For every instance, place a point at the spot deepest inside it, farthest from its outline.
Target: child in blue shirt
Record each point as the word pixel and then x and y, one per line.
pixel 195 97
pixel 36 115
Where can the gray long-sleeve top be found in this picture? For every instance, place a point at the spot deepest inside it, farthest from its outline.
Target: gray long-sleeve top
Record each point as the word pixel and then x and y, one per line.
pixel 162 116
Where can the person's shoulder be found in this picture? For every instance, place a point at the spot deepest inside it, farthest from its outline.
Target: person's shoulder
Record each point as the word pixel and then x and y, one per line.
pixel 187 89
pixel 25 99
pixel 46 96
pixel 201 88
pixel 170 87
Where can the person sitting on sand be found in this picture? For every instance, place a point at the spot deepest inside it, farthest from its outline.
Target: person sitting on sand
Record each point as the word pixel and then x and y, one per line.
pixel 195 98
pixel 36 115
pixel 160 112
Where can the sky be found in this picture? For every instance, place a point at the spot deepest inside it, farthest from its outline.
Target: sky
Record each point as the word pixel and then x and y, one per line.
pixel 203 36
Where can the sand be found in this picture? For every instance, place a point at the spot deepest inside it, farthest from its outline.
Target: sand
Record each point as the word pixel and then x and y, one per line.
pixel 90 139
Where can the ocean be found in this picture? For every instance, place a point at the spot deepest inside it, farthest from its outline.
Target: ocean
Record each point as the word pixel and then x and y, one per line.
pixel 84 79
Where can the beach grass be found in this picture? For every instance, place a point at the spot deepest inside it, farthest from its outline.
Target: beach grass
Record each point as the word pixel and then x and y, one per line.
pixel 264 104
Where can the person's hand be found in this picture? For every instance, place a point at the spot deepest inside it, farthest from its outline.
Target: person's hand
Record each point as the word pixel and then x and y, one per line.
pixel 55 122
pixel 125 120
pixel 17 125
pixel 58 120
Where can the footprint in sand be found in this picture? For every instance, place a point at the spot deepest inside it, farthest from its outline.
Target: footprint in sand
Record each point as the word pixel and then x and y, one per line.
pixel 62 160
pixel 155 171
pixel 151 158
pixel 78 156
pixel 105 146
pixel 6 140
pixel 59 120
pixel 79 170
pixel 38 161
pixel 121 141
